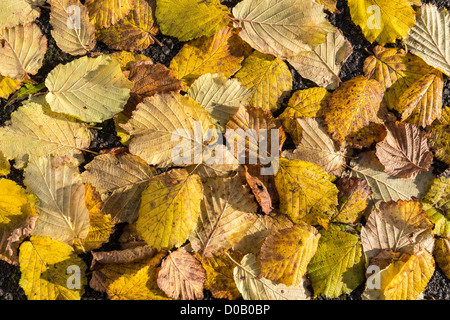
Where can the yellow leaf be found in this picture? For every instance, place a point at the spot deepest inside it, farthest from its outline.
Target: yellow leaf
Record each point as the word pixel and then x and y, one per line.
pixel 354 195
pixel 200 18
pixel 338 265
pixel 219 276
pixel 383 21
pixel 13 205
pixel 8 86
pixel 405 278
pixel 306 191
pixel 100 225
pixel 421 103
pixel 137 286
pixel 263 227
pixel 5 166
pixel 352 110
pixel 170 207
pixel 306 103
pixel 221 53
pixel 286 254
pixel 268 78
pixel 50 270
pixel 126 58
pixel 109 266
pixel 135 32
pixel 442 255
pixel 105 13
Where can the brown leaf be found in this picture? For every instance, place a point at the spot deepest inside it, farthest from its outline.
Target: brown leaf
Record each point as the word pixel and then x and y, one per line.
pixel 260 191
pixel 404 152
pixel 122 256
pixel 182 276
pixel 150 79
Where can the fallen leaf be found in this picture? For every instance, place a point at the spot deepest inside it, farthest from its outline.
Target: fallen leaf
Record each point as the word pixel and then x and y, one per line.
pixel 77 38
pixel 322 63
pixel 227 212
pixel 285 254
pixel 268 78
pixel 281 28
pixel 90 89
pixel 182 276
pixel 170 208
pixel 134 32
pixel 404 152
pixel 338 266
pixel 22 51
pixel 429 39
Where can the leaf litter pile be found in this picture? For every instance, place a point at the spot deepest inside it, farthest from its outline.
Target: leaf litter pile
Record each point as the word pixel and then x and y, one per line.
pixel 359 200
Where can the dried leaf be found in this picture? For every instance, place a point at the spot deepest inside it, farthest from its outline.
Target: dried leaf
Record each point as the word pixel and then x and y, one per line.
pixel 221 97
pixel 404 152
pixel 317 147
pixel 136 31
pixel 253 287
pixel 429 37
pixel 77 37
pixel 281 28
pixel 91 89
pixel 166 122
pixel 354 195
pixel 322 63
pixel 35 131
pixel 182 276
pixel 120 181
pixel 62 210
pixel 22 51
pixel 386 187
pixel 352 108
pixel 227 212
pixel 108 12
pixel 400 226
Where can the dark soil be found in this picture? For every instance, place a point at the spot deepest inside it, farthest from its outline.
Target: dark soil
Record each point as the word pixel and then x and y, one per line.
pixel 438 287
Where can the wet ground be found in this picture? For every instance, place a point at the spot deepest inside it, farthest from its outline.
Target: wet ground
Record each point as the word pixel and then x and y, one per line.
pixel 438 287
